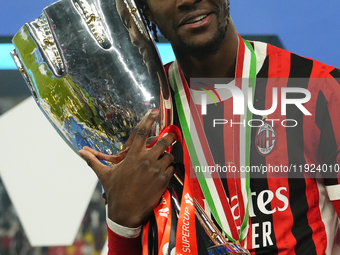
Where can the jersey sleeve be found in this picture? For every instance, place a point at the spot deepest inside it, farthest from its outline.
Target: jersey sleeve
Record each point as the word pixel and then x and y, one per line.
pixel 121 245
pixel 123 240
pixel 328 121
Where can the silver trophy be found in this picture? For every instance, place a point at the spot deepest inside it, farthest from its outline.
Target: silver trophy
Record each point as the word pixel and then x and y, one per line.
pixel 94 71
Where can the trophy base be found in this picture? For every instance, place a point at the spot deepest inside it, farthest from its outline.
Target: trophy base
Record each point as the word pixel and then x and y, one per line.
pixel 227 249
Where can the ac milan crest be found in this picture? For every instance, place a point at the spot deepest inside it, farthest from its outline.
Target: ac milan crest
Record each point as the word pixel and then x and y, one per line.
pixel 266 139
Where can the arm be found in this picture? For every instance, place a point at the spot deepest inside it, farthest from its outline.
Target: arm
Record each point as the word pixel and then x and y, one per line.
pixel 122 245
pixel 123 240
pixel 134 185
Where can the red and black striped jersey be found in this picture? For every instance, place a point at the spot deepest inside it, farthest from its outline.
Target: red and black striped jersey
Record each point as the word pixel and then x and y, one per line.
pixel 290 205
pixel 290 212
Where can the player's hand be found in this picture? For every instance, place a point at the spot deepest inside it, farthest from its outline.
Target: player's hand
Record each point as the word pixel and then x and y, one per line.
pixel 134 186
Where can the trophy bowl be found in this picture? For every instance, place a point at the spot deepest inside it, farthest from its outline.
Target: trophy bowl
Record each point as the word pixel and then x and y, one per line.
pixel 93 70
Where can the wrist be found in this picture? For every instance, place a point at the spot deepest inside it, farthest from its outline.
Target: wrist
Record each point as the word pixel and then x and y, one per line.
pixel 122 230
pixel 122 218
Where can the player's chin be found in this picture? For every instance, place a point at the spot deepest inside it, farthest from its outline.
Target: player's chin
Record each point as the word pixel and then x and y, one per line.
pixel 199 40
pixel 207 45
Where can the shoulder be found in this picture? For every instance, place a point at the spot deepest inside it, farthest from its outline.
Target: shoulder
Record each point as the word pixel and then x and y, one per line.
pixel 300 66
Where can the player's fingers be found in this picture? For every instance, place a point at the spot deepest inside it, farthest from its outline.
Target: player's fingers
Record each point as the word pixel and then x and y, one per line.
pixel 169 171
pixel 111 158
pixel 143 130
pixel 162 144
pixel 151 140
pixel 118 157
pixel 99 168
pixel 132 136
pixel 166 159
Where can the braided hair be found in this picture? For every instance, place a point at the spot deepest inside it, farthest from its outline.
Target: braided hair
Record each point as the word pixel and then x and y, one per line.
pixel 143 7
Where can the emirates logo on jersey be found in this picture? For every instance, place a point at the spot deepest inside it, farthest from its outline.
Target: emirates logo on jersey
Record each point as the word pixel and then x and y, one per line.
pixel 266 139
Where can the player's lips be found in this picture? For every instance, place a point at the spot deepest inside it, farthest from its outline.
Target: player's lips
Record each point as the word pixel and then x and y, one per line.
pixel 195 18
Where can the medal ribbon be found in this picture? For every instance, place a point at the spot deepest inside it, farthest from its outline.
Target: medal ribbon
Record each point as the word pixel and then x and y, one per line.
pixel 186 242
pixel 198 149
pixel 163 213
pixel 186 229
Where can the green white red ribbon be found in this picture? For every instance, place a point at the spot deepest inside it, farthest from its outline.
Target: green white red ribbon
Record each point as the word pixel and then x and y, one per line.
pixel 198 148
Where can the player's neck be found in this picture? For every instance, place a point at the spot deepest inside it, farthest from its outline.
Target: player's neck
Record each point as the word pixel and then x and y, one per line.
pixel 218 65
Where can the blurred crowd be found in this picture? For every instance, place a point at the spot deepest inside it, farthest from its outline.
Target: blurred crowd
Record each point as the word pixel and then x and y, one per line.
pixel 89 240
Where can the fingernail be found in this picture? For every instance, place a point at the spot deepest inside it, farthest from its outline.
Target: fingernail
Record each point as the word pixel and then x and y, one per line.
pixel 154 111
